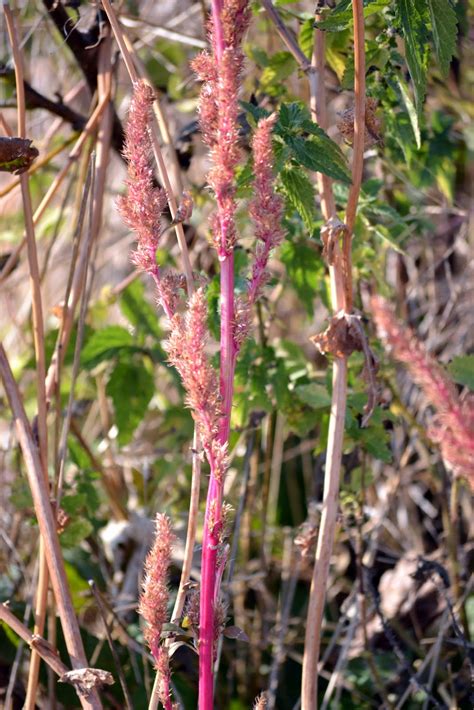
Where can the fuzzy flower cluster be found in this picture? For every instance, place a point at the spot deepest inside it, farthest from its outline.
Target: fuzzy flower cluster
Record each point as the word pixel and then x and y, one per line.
pixel 154 601
pixel 218 113
pixel 186 349
pixel 453 425
pixel 142 205
pixel 266 209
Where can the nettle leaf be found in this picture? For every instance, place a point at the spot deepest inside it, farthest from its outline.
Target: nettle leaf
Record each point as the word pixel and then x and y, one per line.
pixel 412 113
pixel 306 37
pixel 299 192
pixel 138 311
pixel 317 154
pixel 303 268
pixel 444 28
pixel 341 16
pixel 105 344
pixel 314 395
pixel 413 19
pixel 461 370
pixel 254 113
pixel 131 388
pixel 280 66
pixel 76 531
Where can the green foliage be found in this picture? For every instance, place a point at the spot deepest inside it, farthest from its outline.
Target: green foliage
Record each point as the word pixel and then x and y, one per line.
pixel 461 369
pixel 444 29
pixel 106 344
pixel 299 193
pixel 304 270
pixel 131 387
pixel 316 151
pixel 412 18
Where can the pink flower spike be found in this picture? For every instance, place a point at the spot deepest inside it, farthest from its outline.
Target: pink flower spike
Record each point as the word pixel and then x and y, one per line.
pixel 142 206
pixel 266 209
pixel 453 424
pixel 154 599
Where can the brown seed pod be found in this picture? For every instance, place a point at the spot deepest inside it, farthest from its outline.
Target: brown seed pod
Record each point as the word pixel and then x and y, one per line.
pixel 373 125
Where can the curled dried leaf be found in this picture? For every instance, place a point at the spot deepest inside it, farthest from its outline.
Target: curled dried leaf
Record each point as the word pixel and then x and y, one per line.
pixel 343 336
pixel 16 154
pixel 86 679
pixel 331 231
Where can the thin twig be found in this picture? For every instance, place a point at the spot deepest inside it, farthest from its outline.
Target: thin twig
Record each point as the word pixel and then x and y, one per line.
pixel 40 645
pixel 38 336
pixel 47 527
pixel 341 289
pixel 113 650
pixel 162 170
pixel 58 179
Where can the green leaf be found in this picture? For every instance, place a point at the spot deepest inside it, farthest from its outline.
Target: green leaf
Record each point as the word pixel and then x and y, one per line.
pixel 303 267
pixel 341 17
pixel 72 503
pixel 131 388
pixel 444 29
pixel 319 154
pixel 299 192
pixel 412 113
pixel 413 21
pixel 279 68
pixel 306 37
pixel 76 532
pixel 461 370
pixel 138 311
pixel 104 345
pixel 315 395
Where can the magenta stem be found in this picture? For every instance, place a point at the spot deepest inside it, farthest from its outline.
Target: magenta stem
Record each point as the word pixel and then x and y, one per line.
pixel 213 516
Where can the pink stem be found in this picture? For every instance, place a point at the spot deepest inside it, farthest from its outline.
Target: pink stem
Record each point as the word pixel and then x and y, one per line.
pixel 213 516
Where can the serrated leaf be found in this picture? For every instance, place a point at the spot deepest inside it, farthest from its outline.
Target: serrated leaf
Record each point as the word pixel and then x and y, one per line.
pixel 314 395
pixel 317 154
pixel 104 345
pixel 461 370
pixel 341 16
pixel 72 503
pixel 138 311
pixel 76 532
pixel 291 117
pixel 299 192
pixel 412 112
pixel 413 21
pixel 131 388
pixel 306 37
pixel 303 267
pixel 444 29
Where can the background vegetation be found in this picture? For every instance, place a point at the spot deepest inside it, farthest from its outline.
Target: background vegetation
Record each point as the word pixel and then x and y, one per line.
pixel 400 607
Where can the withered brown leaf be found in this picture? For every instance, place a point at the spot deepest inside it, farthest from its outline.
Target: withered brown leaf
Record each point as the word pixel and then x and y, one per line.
pixel 16 154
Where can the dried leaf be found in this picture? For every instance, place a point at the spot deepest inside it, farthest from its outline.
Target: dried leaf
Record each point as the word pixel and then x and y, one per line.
pixel 16 154
pixel 343 336
pixel 86 679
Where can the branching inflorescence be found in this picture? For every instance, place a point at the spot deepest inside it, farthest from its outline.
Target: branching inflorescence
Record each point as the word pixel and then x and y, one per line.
pixel 452 428
pixel 208 393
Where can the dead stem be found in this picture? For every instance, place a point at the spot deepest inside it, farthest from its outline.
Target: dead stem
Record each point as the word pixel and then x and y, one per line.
pixel 58 179
pixel 47 527
pixel 38 336
pixel 341 293
pixel 41 646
